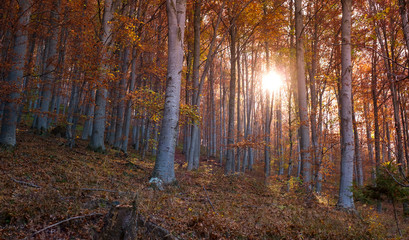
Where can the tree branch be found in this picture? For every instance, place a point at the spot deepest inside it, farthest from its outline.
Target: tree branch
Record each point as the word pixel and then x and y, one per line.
pixel 63 221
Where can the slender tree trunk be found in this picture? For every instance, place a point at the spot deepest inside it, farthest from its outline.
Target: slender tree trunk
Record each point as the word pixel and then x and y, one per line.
pixel 357 154
pixel 302 96
pixel 121 100
pixel 221 105
pixel 87 129
pixel 27 78
pixel 128 112
pixel 73 111
pixel 50 72
pixel 193 162
pixel 374 90
pixel 345 200
pixel 212 112
pixel 369 139
pixel 164 164
pixel 403 10
pixel 238 137
pixel 290 87
pixel 98 128
pixel 187 128
pixel 229 168
pixel 280 147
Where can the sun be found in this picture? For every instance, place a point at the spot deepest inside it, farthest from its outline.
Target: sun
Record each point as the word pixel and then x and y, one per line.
pixel 272 81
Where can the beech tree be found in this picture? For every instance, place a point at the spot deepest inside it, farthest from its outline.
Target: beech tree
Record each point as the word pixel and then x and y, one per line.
pixel 15 76
pixel 347 135
pixel 164 164
pixel 98 129
pixel 302 95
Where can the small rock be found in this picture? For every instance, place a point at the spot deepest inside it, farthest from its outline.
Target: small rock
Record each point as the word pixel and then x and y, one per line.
pixel 156 183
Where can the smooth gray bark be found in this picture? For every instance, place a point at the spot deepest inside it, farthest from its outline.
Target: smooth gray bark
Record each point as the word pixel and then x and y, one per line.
pixel 229 168
pixel 27 72
pixel 345 200
pixel 87 129
pixel 164 164
pixel 15 77
pixel 221 114
pixel 128 112
pixel 50 71
pixel 302 96
pixel 121 100
pixel 213 135
pixel 239 128
pixel 98 128
pixel 187 129
pixel 73 113
pixel 357 154
pixel 193 161
pixel 369 139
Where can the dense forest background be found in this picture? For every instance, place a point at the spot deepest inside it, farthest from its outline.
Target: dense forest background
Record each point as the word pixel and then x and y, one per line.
pixel 297 101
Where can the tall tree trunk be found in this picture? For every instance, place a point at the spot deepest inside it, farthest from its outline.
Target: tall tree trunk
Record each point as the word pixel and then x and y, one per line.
pixel 369 139
pixel 121 100
pixel 164 164
pixel 302 96
pixel 98 129
pixel 374 91
pixel 187 128
pixel 128 112
pixel 345 200
pixel 314 99
pixel 268 119
pixel 221 117
pixel 229 168
pixel 357 154
pixel 50 71
pixel 193 161
pixel 27 78
pixel 87 129
pixel 212 112
pixel 15 77
pixel 290 87
pixel 73 110
pixel 403 10
pixel 238 138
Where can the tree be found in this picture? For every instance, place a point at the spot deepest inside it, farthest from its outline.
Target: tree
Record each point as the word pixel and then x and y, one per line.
pixel 15 76
pixel 164 164
pixel 50 69
pixel 98 128
pixel 302 95
pixel 194 151
pixel 345 200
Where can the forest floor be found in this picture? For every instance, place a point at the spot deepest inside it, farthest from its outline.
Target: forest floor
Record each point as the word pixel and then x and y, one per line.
pixel 43 182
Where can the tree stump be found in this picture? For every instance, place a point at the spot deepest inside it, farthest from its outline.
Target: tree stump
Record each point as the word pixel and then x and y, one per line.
pixel 121 223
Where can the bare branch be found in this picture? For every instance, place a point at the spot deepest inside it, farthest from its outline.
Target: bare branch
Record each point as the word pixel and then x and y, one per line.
pixel 63 221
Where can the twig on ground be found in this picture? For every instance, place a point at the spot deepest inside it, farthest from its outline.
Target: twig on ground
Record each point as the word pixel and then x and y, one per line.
pixel 101 190
pixel 63 221
pixel 135 165
pixel 22 182
pixel 208 199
